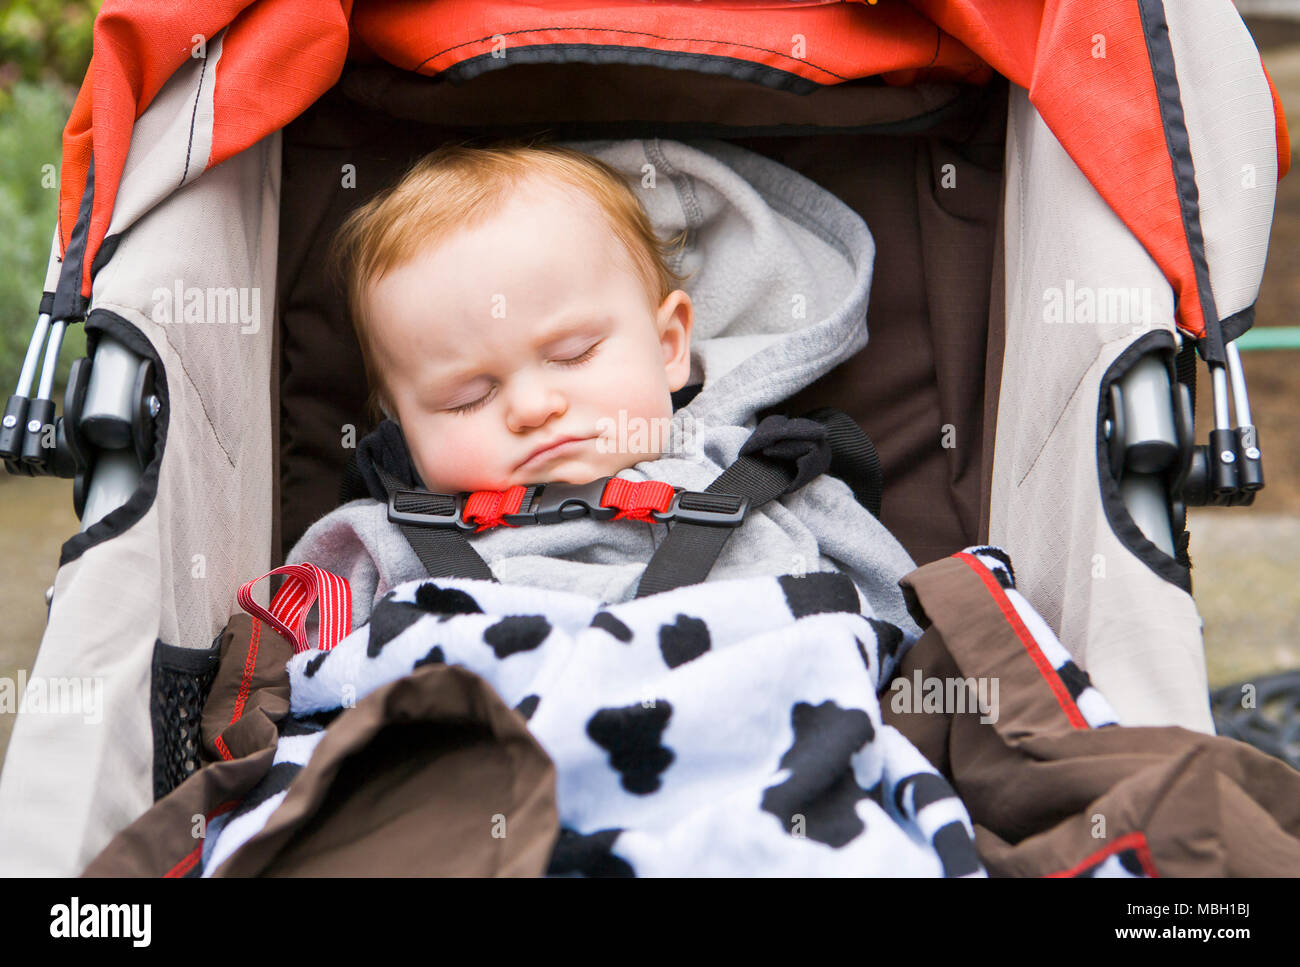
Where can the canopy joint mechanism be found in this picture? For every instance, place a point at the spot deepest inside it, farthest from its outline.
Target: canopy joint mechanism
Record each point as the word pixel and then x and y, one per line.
pixel 1152 451
pixel 1229 470
pixel 106 431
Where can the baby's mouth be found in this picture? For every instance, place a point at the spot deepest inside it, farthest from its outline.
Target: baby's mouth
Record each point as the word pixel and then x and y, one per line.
pixel 554 451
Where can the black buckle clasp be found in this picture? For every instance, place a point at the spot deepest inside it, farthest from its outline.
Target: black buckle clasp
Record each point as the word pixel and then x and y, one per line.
pixel 703 507
pixel 550 503
pixel 425 509
pixel 554 502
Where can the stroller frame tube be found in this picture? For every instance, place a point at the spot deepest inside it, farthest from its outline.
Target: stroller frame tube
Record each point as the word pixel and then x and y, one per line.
pixel 107 415
pixel 33 354
pixel 107 419
pixel 114 478
pixel 1148 504
pixel 46 389
pixel 1240 398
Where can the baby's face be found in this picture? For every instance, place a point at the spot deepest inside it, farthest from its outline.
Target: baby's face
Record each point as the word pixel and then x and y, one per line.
pixel 522 331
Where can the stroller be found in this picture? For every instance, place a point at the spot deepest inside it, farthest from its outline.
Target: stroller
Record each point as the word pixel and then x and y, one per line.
pixel 1073 201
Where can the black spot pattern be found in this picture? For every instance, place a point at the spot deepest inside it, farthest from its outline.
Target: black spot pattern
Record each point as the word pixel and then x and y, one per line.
pixel 292 725
pixel 517 633
pixel 576 854
pixel 275 781
pixel 862 652
pixel 528 706
pixel 389 619
pixel 1003 578
pixel 888 637
pixel 607 622
pixel 312 667
pixel 445 602
pixel 819 592
pixel 684 640
pixel 631 735
pixel 956 850
pixel 1074 678
pixel 989 550
pixel 1128 859
pixel 930 788
pixel 434 657
pixel 822 787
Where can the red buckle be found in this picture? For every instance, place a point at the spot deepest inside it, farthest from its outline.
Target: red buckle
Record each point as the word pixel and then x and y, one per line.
pixel 634 500
pixel 605 498
pixel 487 507
pixel 637 499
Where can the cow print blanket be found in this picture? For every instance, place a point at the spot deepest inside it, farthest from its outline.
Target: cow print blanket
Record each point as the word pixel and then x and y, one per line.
pixel 725 728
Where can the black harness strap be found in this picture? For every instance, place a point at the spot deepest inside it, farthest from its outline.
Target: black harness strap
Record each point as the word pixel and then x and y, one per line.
pixel 443 551
pixel 853 457
pixel 780 456
pixel 689 551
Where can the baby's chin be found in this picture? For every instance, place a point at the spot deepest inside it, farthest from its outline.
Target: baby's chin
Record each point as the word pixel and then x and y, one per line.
pixel 581 472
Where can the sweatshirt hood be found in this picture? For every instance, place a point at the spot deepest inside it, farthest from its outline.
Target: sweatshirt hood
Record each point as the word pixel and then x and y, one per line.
pixel 779 268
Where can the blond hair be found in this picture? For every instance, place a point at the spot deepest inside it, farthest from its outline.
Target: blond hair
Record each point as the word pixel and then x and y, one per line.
pixel 458 186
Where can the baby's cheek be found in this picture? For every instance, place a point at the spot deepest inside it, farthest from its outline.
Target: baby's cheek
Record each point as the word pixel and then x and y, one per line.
pixel 632 387
pixel 442 458
pixel 479 455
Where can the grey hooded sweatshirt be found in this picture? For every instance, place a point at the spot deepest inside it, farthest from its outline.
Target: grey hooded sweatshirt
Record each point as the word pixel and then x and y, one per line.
pixel 782 272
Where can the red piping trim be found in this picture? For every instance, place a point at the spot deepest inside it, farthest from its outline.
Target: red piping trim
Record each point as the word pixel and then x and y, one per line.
pixel 246 680
pixel 186 863
pixel 1135 840
pixel 1018 626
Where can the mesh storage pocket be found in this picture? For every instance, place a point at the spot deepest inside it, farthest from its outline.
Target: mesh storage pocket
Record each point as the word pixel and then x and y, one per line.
pixel 182 678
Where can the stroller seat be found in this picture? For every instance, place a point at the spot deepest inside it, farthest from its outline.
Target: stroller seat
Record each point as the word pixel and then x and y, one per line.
pixel 1016 394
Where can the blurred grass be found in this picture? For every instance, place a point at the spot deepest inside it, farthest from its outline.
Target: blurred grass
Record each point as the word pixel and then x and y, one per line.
pixel 45 41
pixel 31 124
pixel 44 53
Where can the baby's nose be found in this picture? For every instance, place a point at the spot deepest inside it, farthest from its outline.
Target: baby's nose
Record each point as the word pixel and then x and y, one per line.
pixel 533 404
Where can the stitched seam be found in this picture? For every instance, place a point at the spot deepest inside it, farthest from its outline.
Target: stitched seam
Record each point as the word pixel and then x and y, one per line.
pixel 1055 423
pixel 250 663
pixel 203 70
pixel 637 33
pixel 123 311
pixel 692 211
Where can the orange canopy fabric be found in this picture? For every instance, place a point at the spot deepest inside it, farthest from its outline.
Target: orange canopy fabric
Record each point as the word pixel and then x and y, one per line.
pixel 279 56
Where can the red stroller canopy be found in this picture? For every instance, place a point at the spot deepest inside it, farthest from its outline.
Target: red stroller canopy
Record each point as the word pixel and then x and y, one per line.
pixel 279 56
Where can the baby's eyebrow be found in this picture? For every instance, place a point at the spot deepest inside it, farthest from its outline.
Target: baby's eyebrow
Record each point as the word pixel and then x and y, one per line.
pixel 582 325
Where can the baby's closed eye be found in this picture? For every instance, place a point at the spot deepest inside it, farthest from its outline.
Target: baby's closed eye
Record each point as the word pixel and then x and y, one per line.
pixel 482 401
pixel 580 358
pixel 476 404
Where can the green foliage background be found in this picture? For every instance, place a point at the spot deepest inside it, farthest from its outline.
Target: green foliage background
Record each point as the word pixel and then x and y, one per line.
pixel 45 49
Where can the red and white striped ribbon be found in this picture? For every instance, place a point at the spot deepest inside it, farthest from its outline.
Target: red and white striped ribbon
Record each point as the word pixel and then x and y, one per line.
pixel 291 604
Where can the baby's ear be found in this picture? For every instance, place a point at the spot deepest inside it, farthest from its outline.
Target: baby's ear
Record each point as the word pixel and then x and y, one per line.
pixel 676 318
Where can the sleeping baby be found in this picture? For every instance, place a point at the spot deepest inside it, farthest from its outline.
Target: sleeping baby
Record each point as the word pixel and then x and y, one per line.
pixel 522 320
pixel 513 311
pixel 522 323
